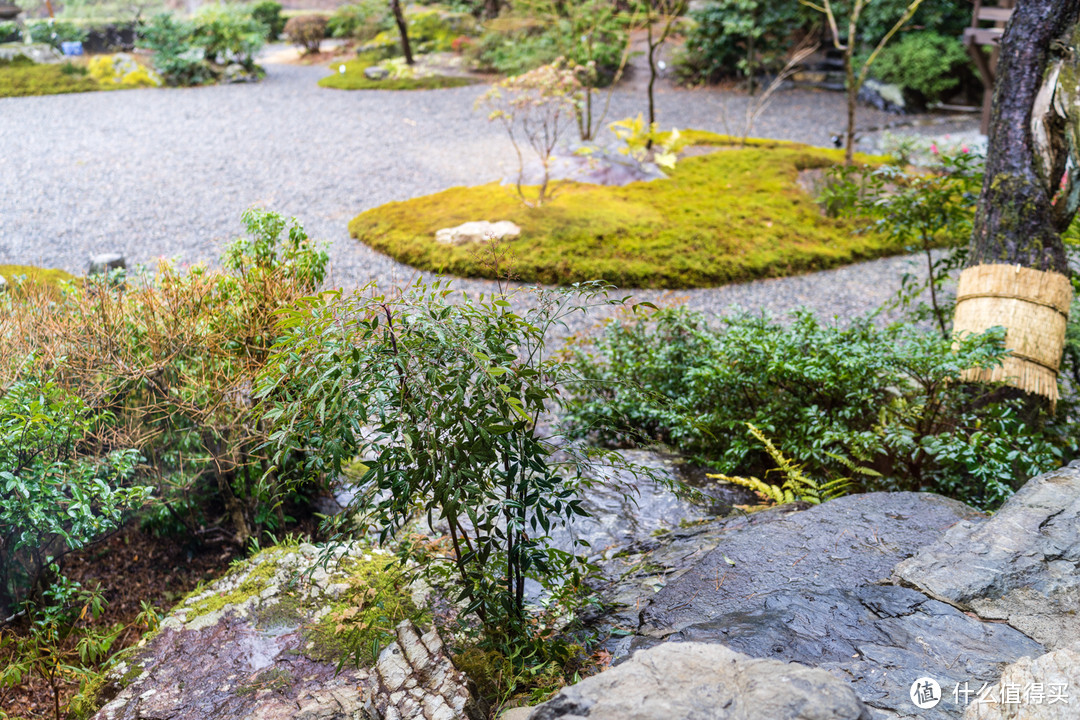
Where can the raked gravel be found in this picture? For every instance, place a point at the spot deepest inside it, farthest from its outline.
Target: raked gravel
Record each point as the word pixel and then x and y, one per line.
pixel 154 173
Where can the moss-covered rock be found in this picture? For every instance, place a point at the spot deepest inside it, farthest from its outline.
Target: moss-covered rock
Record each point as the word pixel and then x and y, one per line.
pixel 728 216
pixel 22 77
pixel 266 640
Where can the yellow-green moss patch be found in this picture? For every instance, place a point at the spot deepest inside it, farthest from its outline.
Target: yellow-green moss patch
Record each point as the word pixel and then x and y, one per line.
pixel 34 274
pixel 20 78
pixel 733 215
pixel 363 619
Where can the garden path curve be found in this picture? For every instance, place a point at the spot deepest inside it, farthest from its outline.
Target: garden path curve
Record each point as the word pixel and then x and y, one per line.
pixel 154 173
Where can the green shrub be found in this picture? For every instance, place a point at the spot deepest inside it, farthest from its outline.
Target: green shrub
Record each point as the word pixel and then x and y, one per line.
pixel 56 498
pixel 174 377
pixel 927 65
pixel 227 34
pixel 740 37
pixel 54 32
pixel 9 32
pixel 583 33
pixel 444 391
pixel 268 12
pixel 306 32
pixel 885 397
pixel 360 21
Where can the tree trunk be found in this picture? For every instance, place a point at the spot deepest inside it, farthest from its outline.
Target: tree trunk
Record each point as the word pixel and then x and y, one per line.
pixel 1021 213
pixel 492 8
pixel 652 75
pixel 403 29
pixel 1028 199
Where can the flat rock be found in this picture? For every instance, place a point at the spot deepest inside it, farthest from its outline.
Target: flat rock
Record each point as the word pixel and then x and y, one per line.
pixel 477 232
pixel 41 53
pixel 704 682
pixel 881 639
pixel 1046 688
pixel 1020 566
pixel 375 72
pixel 844 543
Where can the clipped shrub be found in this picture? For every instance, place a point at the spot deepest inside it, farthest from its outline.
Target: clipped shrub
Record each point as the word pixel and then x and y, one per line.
pixel 306 32
pixel 9 32
pixel 268 12
pixel 929 66
pixel 888 398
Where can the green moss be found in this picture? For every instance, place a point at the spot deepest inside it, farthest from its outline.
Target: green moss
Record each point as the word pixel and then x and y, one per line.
pixel 34 274
pixel 362 622
pixel 733 215
pixel 353 78
pixel 259 573
pixel 22 79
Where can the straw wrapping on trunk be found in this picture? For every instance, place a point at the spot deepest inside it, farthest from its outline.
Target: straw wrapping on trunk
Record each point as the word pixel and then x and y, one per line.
pixel 1033 307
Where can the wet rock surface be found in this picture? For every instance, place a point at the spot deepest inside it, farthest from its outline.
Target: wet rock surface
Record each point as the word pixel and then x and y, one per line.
pixel 881 639
pixel 845 543
pixel 705 682
pixel 1020 566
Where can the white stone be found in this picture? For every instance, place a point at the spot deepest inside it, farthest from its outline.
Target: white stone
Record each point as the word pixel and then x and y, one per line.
pixel 477 232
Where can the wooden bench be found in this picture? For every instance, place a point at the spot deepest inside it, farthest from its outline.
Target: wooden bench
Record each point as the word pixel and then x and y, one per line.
pixel 987 27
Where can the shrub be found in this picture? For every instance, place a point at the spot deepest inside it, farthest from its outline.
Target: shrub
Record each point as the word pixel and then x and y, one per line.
pixel 306 32
pixel 227 34
pixel 55 32
pixel 361 21
pixel 886 397
pixel 9 32
pixel 444 392
pixel 740 37
pixel 167 362
pixel 268 12
pixel 121 71
pixel 927 65
pixel 56 497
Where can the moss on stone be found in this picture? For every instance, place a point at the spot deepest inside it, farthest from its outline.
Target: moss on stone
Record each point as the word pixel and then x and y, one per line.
pixel 259 573
pixel 362 621
pixel 733 215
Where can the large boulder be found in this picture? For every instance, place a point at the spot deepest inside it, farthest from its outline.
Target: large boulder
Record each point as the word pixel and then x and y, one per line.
pixel 1020 566
pixel 844 543
pixel 265 641
pixel 704 682
pixel 811 586
pixel 1046 688
pixel 41 53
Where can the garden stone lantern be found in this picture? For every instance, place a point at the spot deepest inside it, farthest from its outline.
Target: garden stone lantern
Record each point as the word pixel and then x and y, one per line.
pixel 9 11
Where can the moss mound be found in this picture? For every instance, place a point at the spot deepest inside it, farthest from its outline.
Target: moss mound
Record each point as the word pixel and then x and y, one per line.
pixel 736 214
pixel 31 273
pixel 354 79
pixel 22 78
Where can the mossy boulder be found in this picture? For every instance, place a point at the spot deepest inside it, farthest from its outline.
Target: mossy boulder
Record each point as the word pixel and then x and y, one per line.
pixel 265 641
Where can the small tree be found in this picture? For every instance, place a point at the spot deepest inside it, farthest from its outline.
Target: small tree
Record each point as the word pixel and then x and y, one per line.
pixel 403 30
pixel 664 14
pixel 539 105
pixel 854 81
pixel 443 396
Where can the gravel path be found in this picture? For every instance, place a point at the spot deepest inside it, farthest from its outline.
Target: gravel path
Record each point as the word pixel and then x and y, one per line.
pixel 155 173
